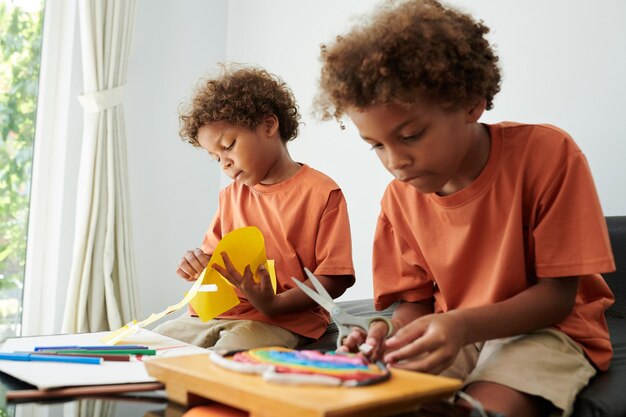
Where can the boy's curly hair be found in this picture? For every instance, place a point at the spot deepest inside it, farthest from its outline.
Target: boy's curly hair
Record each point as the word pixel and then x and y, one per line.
pixel 408 49
pixel 241 96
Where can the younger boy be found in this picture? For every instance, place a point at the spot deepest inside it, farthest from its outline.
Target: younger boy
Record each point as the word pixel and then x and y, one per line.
pixel 491 236
pixel 244 119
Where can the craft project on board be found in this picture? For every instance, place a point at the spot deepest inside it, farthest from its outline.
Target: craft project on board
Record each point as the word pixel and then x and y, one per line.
pixel 305 367
pixel 194 379
pixel 211 294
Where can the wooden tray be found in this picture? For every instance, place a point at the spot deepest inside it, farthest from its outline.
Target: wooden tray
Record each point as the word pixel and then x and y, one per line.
pixel 192 380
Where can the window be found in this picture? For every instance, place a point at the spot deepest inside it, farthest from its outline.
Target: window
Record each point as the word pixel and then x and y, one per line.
pixel 20 52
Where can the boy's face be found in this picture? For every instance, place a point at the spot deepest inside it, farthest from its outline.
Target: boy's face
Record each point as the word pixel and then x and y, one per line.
pixel 247 156
pixel 432 149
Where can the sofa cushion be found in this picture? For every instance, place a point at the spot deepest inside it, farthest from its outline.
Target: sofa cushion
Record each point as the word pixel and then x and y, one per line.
pixel 605 395
pixel 617 279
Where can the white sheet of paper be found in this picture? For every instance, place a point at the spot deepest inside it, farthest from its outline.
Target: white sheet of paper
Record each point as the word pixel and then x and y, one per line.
pixel 48 375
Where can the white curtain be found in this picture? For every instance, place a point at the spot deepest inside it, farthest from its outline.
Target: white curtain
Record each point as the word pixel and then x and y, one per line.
pixel 102 292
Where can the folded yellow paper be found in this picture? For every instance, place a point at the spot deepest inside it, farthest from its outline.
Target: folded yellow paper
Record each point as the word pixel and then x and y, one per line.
pixel 244 246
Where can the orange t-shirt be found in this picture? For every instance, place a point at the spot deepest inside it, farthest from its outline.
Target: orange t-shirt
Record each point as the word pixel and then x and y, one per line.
pixel 304 221
pixel 532 213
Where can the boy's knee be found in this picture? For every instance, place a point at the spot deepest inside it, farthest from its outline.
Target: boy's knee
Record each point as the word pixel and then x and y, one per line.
pixel 499 398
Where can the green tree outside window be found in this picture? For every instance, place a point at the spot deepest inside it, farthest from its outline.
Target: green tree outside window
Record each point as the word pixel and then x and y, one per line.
pixel 20 50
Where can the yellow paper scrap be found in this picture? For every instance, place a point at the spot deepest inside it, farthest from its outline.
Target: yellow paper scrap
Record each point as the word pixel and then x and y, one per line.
pixel 130 328
pixel 123 332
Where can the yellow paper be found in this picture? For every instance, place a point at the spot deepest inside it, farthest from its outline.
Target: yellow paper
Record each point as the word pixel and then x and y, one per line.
pixel 272 271
pixel 208 305
pixel 244 246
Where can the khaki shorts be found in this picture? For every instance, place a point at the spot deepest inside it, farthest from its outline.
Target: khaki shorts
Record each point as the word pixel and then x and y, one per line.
pixel 546 363
pixel 227 335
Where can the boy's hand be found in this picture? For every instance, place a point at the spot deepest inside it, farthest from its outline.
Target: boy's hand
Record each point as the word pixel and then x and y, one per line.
pixel 374 338
pixel 193 263
pixel 352 342
pixel 428 344
pixel 260 295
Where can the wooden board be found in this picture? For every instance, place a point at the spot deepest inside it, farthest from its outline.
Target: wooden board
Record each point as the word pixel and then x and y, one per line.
pixel 191 380
pixel 100 391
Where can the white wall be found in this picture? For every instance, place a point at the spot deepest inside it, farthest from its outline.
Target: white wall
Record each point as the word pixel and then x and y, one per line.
pixel 563 63
pixel 173 186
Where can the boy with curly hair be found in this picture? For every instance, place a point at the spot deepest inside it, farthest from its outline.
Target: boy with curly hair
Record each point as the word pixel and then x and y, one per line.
pixel 491 237
pixel 244 118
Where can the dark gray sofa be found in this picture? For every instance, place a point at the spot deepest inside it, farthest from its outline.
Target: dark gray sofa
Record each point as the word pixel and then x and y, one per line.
pixel 605 396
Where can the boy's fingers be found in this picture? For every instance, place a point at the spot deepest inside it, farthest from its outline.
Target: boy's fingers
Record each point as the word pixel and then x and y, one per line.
pixel 406 334
pixel 247 281
pixel 416 348
pixel 376 333
pixel 190 264
pixel 247 275
pixel 404 353
pixel 352 341
pixel 264 277
pixel 430 362
pixel 228 271
pixel 188 271
pixel 227 262
pixel 185 268
pixel 181 273
pixel 234 275
pixel 223 272
pixel 202 257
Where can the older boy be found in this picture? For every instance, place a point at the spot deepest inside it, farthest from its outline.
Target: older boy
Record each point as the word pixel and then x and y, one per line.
pixel 491 236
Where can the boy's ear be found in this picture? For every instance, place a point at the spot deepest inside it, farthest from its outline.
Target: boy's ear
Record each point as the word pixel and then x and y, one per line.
pixel 270 125
pixel 476 110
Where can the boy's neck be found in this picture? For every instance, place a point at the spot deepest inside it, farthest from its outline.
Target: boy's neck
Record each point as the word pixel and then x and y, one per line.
pixel 474 162
pixel 282 170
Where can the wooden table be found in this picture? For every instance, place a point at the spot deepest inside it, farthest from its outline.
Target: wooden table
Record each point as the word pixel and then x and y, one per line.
pixel 191 380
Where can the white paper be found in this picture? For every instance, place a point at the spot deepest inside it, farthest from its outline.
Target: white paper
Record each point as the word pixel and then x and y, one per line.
pixel 48 375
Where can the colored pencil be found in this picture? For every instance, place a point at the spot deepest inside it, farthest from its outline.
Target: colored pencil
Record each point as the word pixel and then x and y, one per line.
pixel 106 357
pixel 108 351
pixel 32 357
pixel 105 347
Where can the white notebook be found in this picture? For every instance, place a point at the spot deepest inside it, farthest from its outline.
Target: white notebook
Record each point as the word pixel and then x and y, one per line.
pixel 50 375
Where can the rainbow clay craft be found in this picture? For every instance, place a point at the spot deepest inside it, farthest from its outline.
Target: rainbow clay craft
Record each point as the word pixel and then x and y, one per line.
pixel 310 367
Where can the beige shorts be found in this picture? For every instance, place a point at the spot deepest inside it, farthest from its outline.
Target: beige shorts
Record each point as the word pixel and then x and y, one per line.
pixel 546 363
pixel 227 335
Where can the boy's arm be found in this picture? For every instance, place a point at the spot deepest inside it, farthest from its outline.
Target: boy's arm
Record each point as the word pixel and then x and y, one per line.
pixel 544 304
pixel 442 335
